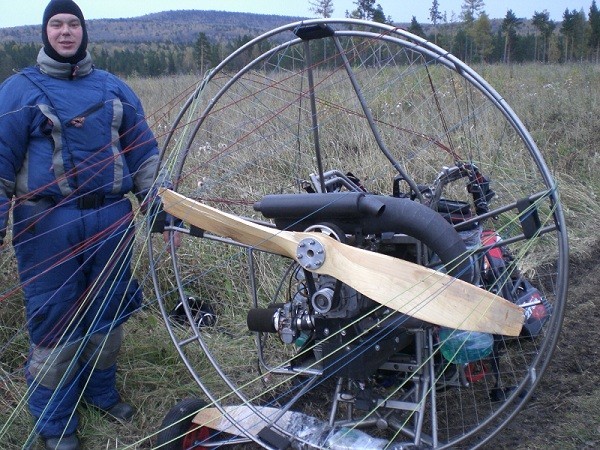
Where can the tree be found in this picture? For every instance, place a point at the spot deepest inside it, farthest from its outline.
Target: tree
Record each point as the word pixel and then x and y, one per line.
pixel 509 28
pixel 435 16
pixel 573 31
pixel 541 20
pixel 567 31
pixel 380 17
pixel 471 10
pixel 416 28
pixel 365 9
pixel 482 36
pixel 460 44
pixel 6 65
pixel 594 39
pixel 322 8
pixel 203 52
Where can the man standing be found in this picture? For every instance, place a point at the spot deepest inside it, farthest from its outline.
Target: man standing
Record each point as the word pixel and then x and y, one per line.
pixel 73 142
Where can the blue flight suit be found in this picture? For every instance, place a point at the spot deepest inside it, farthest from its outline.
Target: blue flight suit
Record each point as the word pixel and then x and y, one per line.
pixel 73 143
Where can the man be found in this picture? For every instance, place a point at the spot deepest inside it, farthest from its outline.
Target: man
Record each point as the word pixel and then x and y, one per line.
pixel 73 142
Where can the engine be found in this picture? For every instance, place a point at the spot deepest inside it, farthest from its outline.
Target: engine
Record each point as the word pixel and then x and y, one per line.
pixel 344 331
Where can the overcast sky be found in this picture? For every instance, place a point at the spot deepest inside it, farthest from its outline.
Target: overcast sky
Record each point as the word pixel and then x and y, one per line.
pixel 29 12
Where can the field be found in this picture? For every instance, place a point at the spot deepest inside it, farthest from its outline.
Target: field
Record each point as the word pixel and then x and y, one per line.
pixel 560 106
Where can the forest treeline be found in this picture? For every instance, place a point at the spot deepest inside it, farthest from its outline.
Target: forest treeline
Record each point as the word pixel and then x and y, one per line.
pixel 472 37
pixel 477 38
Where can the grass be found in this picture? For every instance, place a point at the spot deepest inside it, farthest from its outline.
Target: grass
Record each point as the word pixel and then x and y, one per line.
pixel 560 105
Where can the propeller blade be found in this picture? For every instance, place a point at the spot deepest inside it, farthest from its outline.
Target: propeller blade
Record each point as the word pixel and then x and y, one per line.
pixel 406 287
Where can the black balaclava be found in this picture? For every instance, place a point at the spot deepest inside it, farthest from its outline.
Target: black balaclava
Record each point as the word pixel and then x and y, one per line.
pixel 64 7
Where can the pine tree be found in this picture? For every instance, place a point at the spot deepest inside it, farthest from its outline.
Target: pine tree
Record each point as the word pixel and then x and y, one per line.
pixel 594 40
pixel 416 28
pixel 509 28
pixel 471 10
pixel 482 36
pixel 435 16
pixel 322 8
pixel 541 20
pixel 203 52
pixel 379 16
pixel 573 31
pixel 365 9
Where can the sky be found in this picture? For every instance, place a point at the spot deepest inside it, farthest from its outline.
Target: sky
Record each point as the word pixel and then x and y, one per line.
pixel 29 12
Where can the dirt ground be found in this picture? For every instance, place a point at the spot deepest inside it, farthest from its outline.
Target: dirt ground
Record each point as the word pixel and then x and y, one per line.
pixel 564 412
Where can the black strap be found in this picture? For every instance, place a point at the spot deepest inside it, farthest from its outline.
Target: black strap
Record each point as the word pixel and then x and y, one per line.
pixel 91 201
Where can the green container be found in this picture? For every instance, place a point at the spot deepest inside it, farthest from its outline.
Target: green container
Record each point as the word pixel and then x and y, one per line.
pixel 461 347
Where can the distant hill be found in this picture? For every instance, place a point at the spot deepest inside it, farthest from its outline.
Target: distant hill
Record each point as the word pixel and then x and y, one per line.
pixel 183 26
pixel 166 43
pixel 178 27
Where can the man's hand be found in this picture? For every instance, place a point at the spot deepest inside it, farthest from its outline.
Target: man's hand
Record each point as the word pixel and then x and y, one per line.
pixel 160 219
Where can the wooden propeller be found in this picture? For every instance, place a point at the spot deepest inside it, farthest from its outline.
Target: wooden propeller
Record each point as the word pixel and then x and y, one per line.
pixel 406 287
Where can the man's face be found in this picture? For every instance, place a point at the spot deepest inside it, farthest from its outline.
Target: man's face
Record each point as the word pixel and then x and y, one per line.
pixel 64 34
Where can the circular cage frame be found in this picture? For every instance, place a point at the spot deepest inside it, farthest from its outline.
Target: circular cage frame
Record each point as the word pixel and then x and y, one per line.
pixel 303 33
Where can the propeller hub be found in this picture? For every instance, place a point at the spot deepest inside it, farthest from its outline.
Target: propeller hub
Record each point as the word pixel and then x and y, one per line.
pixel 310 253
